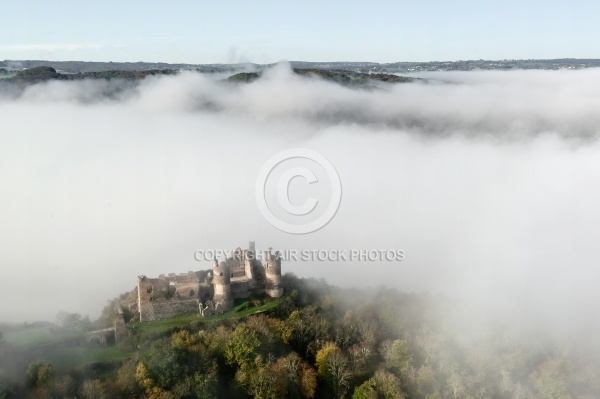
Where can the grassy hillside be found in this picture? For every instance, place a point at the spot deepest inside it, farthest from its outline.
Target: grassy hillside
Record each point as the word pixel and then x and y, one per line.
pixel 243 308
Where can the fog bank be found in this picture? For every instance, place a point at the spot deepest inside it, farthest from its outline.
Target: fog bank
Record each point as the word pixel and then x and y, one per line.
pixel 487 180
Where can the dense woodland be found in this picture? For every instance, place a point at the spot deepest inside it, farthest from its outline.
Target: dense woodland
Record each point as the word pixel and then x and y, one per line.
pixel 326 342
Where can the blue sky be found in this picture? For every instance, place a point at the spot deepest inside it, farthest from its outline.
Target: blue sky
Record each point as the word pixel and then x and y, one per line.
pixel 265 31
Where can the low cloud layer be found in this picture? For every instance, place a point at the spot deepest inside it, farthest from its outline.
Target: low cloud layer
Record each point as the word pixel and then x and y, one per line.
pixel 487 180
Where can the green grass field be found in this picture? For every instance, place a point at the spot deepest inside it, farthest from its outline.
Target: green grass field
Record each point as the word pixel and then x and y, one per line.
pixel 240 310
pixel 78 356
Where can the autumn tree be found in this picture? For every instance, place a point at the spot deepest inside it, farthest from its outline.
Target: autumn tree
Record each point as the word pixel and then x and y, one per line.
pixel 126 382
pixel 163 365
pixel 38 374
pixel 383 384
pixel 301 379
pixel 307 325
pixel 62 386
pixel 263 380
pixel 241 349
pixel 397 356
pixel 333 368
pixel 92 389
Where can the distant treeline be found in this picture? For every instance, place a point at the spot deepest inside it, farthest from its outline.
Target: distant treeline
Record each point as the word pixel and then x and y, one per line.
pixel 347 78
pixel 404 66
pixel 44 73
pixel 343 77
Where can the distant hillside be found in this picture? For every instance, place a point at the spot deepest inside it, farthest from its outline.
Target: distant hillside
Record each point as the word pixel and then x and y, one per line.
pixel 44 73
pixel 82 66
pixel 35 75
pixel 346 78
pixel 356 66
pixel 243 77
pixel 350 77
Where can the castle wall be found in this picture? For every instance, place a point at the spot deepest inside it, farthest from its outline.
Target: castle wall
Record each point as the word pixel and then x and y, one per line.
pixel 167 309
pixel 236 265
pixel 120 329
pixel 238 277
pixel 242 288
pixel 168 296
pixel 206 292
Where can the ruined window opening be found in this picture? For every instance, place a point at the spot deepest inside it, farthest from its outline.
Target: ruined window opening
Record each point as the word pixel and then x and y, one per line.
pixel 149 290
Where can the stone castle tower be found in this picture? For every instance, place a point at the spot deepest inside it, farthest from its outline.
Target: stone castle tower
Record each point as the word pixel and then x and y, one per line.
pixel 222 284
pixel 272 263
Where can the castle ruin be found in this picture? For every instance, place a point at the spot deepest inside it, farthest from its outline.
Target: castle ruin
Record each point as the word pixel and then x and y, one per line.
pixel 240 276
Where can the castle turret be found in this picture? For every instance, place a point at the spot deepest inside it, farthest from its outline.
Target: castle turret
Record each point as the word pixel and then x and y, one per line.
pixel 222 284
pixel 272 264
pixel 249 257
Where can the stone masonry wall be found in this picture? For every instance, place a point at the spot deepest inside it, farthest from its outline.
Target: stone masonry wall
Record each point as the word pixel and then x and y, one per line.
pixel 176 294
pixel 164 310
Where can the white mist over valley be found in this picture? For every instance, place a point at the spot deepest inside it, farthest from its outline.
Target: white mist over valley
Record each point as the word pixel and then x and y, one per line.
pixel 488 181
